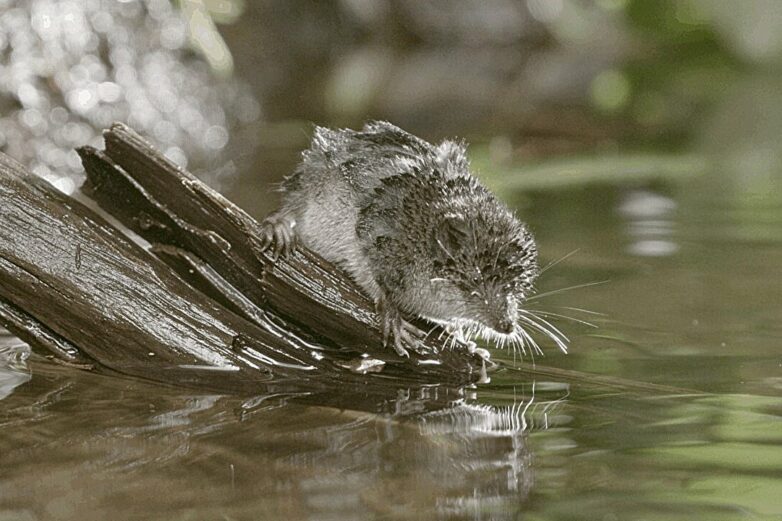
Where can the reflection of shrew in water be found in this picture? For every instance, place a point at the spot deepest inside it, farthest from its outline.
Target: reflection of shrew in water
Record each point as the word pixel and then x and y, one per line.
pixel 416 230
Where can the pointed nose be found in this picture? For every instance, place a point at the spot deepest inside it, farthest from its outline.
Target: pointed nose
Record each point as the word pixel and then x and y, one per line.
pixel 505 326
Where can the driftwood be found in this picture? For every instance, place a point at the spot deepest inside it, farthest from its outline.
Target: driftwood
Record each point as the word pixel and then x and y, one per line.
pixel 202 306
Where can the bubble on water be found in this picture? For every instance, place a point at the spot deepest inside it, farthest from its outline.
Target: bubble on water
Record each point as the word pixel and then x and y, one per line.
pixel 102 21
pixel 173 34
pixel 248 109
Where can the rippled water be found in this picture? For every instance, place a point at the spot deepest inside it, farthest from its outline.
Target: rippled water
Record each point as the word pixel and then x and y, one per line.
pixel 669 409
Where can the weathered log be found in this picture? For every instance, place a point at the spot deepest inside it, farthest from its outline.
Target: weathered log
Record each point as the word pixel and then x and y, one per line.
pixel 216 314
pixel 78 278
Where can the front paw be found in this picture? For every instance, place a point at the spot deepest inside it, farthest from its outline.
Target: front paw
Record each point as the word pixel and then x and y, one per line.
pixel 396 329
pixel 277 235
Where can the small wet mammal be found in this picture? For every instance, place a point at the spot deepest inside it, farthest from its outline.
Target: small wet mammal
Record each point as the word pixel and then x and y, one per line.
pixel 411 225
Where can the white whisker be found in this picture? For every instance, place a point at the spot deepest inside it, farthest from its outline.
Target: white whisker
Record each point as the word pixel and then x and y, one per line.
pixel 555 335
pixel 561 342
pixel 529 321
pixel 562 290
pixel 538 312
pixel 435 326
pixel 521 342
pixel 588 312
pixel 546 322
pixel 554 263
pixel 527 339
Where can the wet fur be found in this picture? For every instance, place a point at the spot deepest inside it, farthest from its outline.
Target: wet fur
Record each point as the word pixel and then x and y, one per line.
pixel 411 225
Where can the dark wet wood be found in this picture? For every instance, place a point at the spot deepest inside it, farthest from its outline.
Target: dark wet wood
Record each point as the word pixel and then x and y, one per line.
pixel 78 278
pixel 207 310
pixel 28 329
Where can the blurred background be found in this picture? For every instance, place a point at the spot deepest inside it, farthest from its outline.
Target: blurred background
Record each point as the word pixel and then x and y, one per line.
pixel 231 88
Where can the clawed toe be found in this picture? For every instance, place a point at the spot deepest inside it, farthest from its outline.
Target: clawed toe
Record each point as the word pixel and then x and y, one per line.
pixel 277 236
pixel 396 329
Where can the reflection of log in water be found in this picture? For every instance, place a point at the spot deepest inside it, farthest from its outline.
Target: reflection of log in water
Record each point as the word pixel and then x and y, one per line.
pixel 237 456
pixel 72 283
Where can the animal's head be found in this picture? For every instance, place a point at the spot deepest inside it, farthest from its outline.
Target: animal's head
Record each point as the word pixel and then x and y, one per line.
pixel 490 258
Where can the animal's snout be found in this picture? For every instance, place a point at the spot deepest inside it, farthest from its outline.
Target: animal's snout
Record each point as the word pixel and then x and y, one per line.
pixel 505 326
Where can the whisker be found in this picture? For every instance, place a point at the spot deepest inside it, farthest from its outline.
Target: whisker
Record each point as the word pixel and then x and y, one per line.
pixel 518 346
pixel 544 326
pixel 443 332
pixel 457 336
pixel 562 335
pixel 447 252
pixel 588 312
pixel 448 336
pixel 538 312
pixel 546 322
pixel 548 332
pixel 527 339
pixel 561 259
pixel 451 340
pixel 530 322
pixel 430 331
pixel 536 349
pixel 519 343
pixel 561 290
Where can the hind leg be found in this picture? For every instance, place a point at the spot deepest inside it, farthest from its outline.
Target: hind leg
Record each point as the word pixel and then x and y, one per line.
pixel 278 234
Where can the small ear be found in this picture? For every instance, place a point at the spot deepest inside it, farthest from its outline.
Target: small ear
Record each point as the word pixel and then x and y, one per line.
pixel 451 233
pixel 451 156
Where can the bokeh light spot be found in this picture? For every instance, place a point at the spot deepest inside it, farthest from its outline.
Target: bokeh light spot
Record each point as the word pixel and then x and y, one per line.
pixel 216 137
pixel 610 90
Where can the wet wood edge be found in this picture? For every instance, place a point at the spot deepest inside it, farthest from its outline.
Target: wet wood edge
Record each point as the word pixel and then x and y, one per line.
pixel 25 327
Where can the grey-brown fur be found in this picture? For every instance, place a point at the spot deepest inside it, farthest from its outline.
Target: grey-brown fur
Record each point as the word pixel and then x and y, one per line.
pixel 411 225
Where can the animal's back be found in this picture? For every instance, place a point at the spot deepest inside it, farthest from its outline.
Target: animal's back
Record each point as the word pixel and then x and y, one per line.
pixel 335 180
